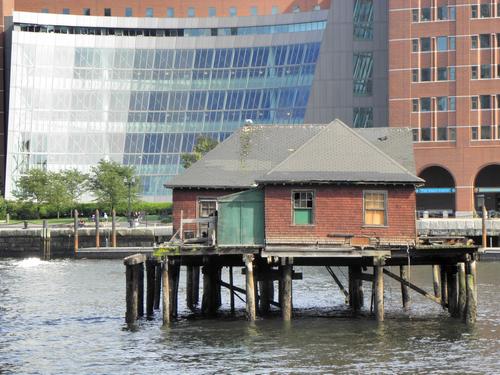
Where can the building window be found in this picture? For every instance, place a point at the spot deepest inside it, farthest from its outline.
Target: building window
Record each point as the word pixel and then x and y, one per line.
pixel 414 105
pixel 362 117
pixel 485 71
pixel 452 13
pixel 253 11
pixel 206 208
pixel 442 13
pixel 425 44
pixel 149 12
pixel 425 74
pixel 452 134
pixel 486 132
pixel 442 43
pixel 473 72
pixel 414 133
pixel 484 41
pixel 452 103
pixel 425 14
pixel 414 45
pixel 212 12
pixel 232 11
pixel 473 41
pixel 65 11
pixel 442 133
pixel 170 12
pixel 86 11
pixel 45 10
pixel 128 12
pixel 414 15
pixel 473 10
pixel 107 12
pixel 275 10
pixel 473 102
pixel 414 75
pixel 442 103
pixel 375 207
pixel 474 133
pixel 452 73
pixel 191 12
pixel 363 19
pixel 485 101
pixel 362 73
pixel 425 134
pixel 303 207
pixel 485 10
pixel 442 74
pixel 425 104
pixel 452 43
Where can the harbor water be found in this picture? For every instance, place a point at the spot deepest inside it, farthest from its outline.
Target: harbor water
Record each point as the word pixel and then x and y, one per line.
pixel 67 317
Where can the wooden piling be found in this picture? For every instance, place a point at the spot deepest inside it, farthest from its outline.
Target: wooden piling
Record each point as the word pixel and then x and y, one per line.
pixel 471 305
pixel 250 287
pixel 452 283
pixel 378 275
pixel 75 231
pixel 231 290
pixel 286 294
pixel 462 290
pixel 45 241
pixel 113 227
pixel 133 264
pixel 150 286
pixel 140 295
pixel 405 293
pixel 444 286
pixel 174 273
pixel 196 285
pixel 165 277
pixel 97 238
pixel 483 228
pixel 157 297
pixel 436 281
pixel 209 303
pixel 189 288
pixel 266 289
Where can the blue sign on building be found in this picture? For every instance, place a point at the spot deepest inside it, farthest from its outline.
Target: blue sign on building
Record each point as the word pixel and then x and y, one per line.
pixel 435 190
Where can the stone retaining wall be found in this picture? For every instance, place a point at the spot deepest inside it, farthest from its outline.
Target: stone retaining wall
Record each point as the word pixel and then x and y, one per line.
pixel 21 243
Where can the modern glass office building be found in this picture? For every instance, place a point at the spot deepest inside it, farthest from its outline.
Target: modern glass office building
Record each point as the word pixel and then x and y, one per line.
pixel 140 90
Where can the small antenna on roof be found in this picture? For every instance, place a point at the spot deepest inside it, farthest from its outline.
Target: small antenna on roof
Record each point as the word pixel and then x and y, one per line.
pixel 248 122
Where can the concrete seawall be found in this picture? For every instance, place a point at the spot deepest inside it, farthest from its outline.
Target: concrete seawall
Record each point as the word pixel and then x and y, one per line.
pixel 22 243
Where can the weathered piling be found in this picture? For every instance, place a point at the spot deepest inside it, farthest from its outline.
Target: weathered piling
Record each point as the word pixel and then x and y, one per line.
pixel 405 293
pixel 97 238
pixel 355 287
pixel 436 281
pixel 150 285
pixel 133 265
pixel 75 231
pixel 209 303
pixel 378 276
pixel 45 241
pixel 140 291
pixel 483 228
pixel 165 277
pixel 174 274
pixel 113 227
pixel 286 293
pixel 158 273
pixel 231 290
pixel 452 277
pixel 462 290
pixel 250 287
pixel 444 286
pixel 266 288
pixel 471 306
pixel 190 288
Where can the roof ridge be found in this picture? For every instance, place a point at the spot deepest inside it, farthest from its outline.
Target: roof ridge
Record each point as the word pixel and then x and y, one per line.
pixel 374 147
pixel 297 150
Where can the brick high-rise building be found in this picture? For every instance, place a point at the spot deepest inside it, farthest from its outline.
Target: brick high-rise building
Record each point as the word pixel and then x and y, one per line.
pixel 138 81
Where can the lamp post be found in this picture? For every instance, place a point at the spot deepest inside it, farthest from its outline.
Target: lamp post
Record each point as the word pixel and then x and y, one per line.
pixel 129 181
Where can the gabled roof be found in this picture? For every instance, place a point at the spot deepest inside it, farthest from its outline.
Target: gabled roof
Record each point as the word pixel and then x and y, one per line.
pixel 284 153
pixel 339 154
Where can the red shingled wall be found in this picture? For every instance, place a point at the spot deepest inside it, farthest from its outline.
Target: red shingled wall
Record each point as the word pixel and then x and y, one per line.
pixel 338 210
pixel 186 200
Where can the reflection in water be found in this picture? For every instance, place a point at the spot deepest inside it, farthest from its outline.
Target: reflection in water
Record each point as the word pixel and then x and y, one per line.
pixel 67 317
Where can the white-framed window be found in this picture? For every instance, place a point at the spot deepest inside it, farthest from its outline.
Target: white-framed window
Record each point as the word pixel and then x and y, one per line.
pixel 375 207
pixel 303 207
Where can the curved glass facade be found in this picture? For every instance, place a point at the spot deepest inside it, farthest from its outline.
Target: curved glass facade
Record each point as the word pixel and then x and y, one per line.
pixel 73 103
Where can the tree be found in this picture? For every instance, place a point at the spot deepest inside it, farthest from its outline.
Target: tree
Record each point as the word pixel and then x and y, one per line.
pixel 34 186
pixel 202 146
pixel 58 193
pixel 109 182
pixel 76 183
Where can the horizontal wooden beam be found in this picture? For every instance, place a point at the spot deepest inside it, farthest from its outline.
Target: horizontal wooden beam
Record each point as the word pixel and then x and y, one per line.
pixel 272 275
pixel 413 287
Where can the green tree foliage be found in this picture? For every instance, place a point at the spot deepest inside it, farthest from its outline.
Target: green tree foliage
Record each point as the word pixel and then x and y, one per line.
pixel 202 146
pixel 34 187
pixel 3 208
pixel 76 183
pixel 109 182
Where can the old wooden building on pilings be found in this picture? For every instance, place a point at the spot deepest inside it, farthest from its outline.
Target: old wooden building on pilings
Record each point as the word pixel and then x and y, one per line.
pixel 273 197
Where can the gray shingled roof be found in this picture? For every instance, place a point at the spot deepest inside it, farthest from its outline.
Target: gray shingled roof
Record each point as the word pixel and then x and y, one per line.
pixel 279 153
